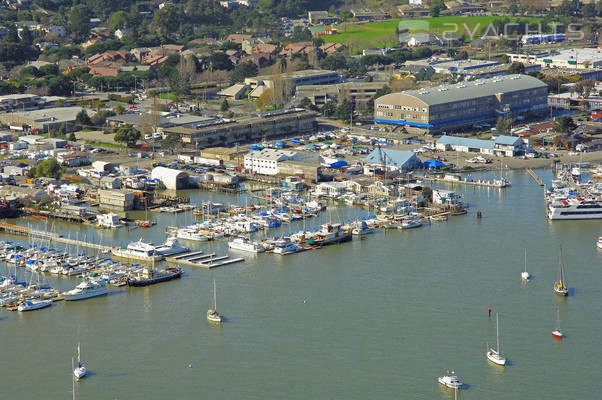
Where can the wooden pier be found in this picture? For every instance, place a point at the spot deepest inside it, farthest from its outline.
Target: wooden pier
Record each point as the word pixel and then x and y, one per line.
pixel 534 176
pixel 198 259
pixel 499 184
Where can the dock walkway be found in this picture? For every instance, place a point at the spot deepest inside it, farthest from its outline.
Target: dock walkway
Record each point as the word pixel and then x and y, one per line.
pixel 198 259
pixel 534 176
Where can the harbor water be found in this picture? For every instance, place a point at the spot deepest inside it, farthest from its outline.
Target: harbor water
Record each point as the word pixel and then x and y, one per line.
pixel 378 318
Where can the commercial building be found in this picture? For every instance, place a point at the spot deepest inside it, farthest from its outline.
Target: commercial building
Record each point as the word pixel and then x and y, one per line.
pixel 321 18
pixel 502 145
pixel 263 126
pixel 400 160
pixel 570 100
pixel 297 78
pixel 172 179
pixel 269 161
pixel 46 120
pixel 116 199
pixel 359 93
pixel 73 159
pixel 452 107
pixel 578 58
pixel 224 153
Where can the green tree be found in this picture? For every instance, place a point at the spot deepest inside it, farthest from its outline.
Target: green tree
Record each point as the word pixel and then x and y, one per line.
pixel 436 7
pixel 79 23
pixel 516 68
pixel 564 125
pixel 12 36
pixel 119 109
pixel 504 125
pixel 242 71
pixel 224 106
pixel 171 141
pixel 344 111
pixel 300 34
pixel 49 69
pixel 62 131
pixel 127 134
pixel 82 118
pixel 329 109
pixel 49 168
pixel 72 137
pixel 26 36
pixel 305 103
pixel 29 72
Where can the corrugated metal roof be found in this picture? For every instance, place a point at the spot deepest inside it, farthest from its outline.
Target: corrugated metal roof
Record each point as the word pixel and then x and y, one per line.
pixel 507 140
pixel 398 158
pixel 460 141
pixel 467 90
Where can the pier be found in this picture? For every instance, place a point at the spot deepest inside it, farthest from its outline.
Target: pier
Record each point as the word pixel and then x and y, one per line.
pixel 198 259
pixel 536 178
pixel 498 183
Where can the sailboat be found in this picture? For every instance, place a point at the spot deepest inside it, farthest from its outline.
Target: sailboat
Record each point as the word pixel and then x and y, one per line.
pixel 525 275
pixel 560 287
pixel 557 333
pixel 212 314
pixel 81 371
pixel 494 355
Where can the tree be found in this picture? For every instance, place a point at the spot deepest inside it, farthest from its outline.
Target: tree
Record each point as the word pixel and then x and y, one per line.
pixel 344 111
pixel 171 141
pixel 13 35
pixel 243 71
pixel 79 23
pixel 504 125
pixel 564 125
pixel 300 34
pixel 72 137
pixel 436 7
pixel 49 69
pixel 49 168
pixel 62 130
pixel 82 118
pixel 305 103
pixel 127 134
pixel 26 36
pixel 583 88
pixel 219 60
pixel 334 62
pixel 224 106
pixel 329 108
pixel 516 68
pixel 119 109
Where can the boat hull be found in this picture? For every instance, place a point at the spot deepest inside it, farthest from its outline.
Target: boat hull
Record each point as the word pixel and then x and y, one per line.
pixel 128 256
pixel 495 358
pixel 153 280
pixel 84 296
pixel 557 334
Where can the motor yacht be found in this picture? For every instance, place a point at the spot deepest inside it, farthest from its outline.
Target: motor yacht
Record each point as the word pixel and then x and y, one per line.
pixel 86 290
pixel 138 251
pixel 170 247
pixel 450 380
pixel 246 244
pixel 31 305
pixel 285 246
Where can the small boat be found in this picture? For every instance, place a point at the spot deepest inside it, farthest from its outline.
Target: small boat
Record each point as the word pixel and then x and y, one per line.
pixel 80 371
pixel 599 242
pixel 494 355
pixel 191 234
pixel 557 334
pixel 362 229
pixel 560 287
pixel 246 244
pixel 410 224
pixel 212 314
pixel 450 380
pixel 438 217
pixel 170 247
pixel 525 275
pixel 285 246
pixel 31 305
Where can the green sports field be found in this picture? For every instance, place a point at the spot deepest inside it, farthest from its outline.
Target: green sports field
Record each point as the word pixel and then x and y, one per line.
pixel 377 34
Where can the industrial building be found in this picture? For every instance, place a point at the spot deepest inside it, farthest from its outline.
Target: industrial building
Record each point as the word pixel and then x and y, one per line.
pixel 577 58
pixel 502 145
pixel 172 179
pixel 359 93
pixel 401 160
pixel 276 161
pixel 224 153
pixel 297 78
pixel 263 126
pixel 451 107
pixel 116 199
pixel 43 121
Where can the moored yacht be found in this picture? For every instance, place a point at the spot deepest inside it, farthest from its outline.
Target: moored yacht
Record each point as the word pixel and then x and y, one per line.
pixel 575 208
pixel 31 305
pixel 361 228
pixel 246 244
pixel 170 247
pixel 450 380
pixel 285 246
pixel 191 234
pixel 138 251
pixel 86 290
pixel 599 242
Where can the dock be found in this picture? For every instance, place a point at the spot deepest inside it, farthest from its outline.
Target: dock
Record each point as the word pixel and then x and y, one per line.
pixel 198 259
pixel 536 178
pixel 498 183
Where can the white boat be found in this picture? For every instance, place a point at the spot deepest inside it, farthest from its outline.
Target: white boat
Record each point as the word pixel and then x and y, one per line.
pixel 599 242
pixel 525 275
pixel 575 208
pixel 80 371
pixel 494 355
pixel 285 246
pixel 450 380
pixel 410 224
pixel 191 234
pixel 245 244
pixel 138 251
pixel 212 314
pixel 86 290
pixel 560 287
pixel 109 220
pixel 170 247
pixel 31 305
pixel 362 229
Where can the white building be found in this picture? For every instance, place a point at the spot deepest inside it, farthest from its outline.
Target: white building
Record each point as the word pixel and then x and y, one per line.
pixel 331 189
pixel 503 145
pixel 173 179
pixel 265 162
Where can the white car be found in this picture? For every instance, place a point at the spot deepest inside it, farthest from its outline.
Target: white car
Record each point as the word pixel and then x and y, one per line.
pixel 148 136
pixel 157 135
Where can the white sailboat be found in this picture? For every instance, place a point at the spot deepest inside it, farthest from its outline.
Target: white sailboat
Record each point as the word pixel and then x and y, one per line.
pixel 525 275
pixel 212 314
pixel 560 287
pixel 80 371
pixel 494 355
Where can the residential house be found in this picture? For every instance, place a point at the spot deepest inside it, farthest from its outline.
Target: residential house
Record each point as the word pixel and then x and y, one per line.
pixel 321 18
pixel 331 48
pixel 412 11
pixel 365 14
pixel 238 38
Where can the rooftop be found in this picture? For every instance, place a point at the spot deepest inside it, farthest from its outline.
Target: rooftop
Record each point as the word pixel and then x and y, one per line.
pixel 467 90
pixel 396 158
pixel 56 114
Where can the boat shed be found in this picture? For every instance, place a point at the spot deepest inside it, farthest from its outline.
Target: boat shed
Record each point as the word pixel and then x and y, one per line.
pixel 395 159
pixel 502 145
pixel 172 179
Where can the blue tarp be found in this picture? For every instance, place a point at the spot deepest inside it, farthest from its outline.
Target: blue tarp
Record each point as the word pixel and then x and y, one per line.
pixel 295 141
pixel 339 164
pixel 280 144
pixel 433 164
pixel 255 147
pixel 310 146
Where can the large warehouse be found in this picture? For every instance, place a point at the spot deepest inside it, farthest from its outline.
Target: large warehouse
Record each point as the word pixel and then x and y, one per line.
pixel 452 107
pixel 173 179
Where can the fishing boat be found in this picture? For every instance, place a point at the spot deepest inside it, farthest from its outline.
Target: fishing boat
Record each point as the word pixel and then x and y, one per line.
pixel 285 246
pixel 525 275
pixel 86 290
pixel 560 287
pixel 212 314
pixel 31 305
pixel 450 380
pixel 494 355
pixel 148 276
pixel 246 244
pixel 80 371
pixel 139 251
pixel 599 242
pixel 170 247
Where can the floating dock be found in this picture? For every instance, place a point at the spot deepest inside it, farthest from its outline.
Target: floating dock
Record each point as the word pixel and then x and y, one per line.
pixel 498 183
pixel 198 259
pixel 534 176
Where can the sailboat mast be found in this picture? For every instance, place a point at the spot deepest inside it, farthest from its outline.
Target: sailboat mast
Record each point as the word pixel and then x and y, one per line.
pixel 214 297
pixel 525 260
pixel 561 268
pixel 497 332
pixel 78 355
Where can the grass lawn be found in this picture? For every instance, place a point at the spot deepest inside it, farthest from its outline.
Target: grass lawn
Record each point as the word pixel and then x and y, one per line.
pixel 382 33
pixel 106 145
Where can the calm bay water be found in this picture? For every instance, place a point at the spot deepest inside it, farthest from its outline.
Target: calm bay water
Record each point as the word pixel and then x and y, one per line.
pixel 379 318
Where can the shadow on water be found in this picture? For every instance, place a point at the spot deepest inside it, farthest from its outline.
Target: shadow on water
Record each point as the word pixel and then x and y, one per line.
pixel 116 292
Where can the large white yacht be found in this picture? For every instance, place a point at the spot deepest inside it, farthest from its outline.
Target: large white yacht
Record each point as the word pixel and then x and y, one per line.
pixel 31 305
pixel 170 247
pixel 285 246
pixel 86 290
pixel 575 208
pixel 245 244
pixel 138 251
pixel 191 234
pixel 450 380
